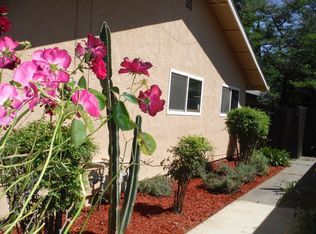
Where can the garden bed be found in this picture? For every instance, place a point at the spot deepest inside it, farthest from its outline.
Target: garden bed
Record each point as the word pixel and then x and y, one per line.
pixel 154 215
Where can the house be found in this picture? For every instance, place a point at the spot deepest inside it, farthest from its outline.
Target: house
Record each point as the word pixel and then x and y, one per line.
pixel 202 58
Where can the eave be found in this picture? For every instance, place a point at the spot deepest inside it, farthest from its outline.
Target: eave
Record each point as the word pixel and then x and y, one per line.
pixel 230 22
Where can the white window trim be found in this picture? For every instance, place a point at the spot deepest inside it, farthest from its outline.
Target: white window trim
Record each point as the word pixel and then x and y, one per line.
pixel 174 112
pixel 221 114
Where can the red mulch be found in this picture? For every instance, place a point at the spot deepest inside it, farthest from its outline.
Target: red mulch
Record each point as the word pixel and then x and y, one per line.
pixel 154 215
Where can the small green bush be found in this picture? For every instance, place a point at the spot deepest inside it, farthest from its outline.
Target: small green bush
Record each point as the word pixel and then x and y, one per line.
pixel 224 180
pixel 189 160
pixel 250 127
pixel 60 187
pixel 276 157
pixel 156 186
pixel 246 172
pixel 260 163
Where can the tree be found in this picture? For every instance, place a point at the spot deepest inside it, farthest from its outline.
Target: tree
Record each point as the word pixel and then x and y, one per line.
pixel 283 35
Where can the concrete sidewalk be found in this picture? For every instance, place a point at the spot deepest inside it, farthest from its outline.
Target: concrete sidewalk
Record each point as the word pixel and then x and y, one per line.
pixel 257 211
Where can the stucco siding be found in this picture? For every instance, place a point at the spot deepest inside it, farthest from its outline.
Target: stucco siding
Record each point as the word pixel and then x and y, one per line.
pixel 165 33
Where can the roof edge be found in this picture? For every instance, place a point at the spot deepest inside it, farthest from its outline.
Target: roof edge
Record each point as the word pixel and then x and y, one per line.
pixel 242 30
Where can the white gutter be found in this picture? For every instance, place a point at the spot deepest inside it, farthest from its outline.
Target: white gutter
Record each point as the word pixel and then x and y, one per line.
pixel 232 8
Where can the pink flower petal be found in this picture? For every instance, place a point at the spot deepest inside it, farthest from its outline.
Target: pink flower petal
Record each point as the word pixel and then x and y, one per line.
pixel 88 101
pixel 24 73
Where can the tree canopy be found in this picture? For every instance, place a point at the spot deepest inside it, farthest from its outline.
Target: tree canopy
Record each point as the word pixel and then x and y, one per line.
pixel 283 37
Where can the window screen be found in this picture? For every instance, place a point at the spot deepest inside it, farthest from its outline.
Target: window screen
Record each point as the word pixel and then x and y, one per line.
pixel 194 95
pixel 225 100
pixel 178 92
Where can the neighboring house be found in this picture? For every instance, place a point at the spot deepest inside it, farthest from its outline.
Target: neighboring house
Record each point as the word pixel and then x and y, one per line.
pixel 202 59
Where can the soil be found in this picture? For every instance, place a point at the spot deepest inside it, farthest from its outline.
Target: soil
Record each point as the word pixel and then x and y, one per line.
pixel 155 215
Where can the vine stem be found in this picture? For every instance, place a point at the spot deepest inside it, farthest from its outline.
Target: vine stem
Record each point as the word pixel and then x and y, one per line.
pixel 80 207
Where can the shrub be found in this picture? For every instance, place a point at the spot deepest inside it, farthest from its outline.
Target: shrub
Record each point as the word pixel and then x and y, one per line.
pixel 156 186
pixel 60 188
pixel 276 157
pixel 224 180
pixel 246 172
pixel 249 126
pixel 260 163
pixel 189 158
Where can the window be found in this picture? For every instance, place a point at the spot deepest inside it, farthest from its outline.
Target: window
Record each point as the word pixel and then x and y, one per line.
pixel 230 99
pixel 185 94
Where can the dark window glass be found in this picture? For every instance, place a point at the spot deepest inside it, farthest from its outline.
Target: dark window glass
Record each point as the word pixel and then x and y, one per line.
pixel 178 91
pixel 235 99
pixel 225 100
pixel 194 95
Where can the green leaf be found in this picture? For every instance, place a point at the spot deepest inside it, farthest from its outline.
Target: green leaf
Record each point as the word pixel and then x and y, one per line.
pixel 116 90
pixel 82 83
pixel 87 120
pixel 78 132
pixel 121 117
pixel 130 97
pixel 100 96
pixel 147 143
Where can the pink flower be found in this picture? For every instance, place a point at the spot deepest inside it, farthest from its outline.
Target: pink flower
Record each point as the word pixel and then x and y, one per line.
pixel 95 48
pixel 8 59
pixel 53 63
pixel 6 117
pixel 28 74
pixel 10 102
pixel 7 92
pixel 98 67
pixel 31 96
pixel 25 73
pixel 149 101
pixel 135 66
pixel 88 101
pixel 79 51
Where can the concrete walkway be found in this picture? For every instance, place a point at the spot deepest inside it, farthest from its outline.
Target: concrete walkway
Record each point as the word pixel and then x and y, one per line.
pixel 257 211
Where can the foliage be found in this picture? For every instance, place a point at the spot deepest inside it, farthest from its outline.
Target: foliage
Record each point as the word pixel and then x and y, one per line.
pixel 260 163
pixel 156 186
pixel 189 159
pixel 60 187
pixel 277 157
pixel 283 35
pixel 228 180
pixel 249 126
pixel 224 180
pixel 246 172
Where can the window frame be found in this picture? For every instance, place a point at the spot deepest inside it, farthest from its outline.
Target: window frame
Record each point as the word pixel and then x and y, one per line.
pixel 188 77
pixel 223 114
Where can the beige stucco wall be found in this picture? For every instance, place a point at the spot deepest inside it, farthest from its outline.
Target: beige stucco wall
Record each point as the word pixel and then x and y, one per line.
pixel 163 32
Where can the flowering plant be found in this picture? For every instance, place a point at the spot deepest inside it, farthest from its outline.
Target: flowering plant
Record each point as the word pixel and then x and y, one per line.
pixel 47 82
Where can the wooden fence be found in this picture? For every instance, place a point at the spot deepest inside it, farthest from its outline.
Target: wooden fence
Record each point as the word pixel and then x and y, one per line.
pixel 292 129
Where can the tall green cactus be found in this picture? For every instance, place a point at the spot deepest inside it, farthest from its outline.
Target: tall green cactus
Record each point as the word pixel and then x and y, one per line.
pixel 114 147
pixel 117 223
pixel 131 189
